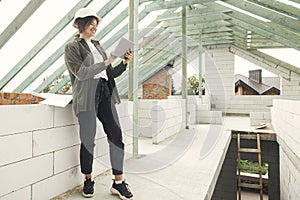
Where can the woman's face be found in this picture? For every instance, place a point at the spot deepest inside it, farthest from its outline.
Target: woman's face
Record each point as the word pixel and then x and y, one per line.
pixel 91 28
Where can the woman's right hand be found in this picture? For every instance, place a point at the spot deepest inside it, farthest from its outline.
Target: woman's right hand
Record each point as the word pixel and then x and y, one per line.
pixel 110 60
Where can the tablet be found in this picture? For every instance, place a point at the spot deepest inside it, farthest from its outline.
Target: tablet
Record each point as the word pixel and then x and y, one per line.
pixel 123 46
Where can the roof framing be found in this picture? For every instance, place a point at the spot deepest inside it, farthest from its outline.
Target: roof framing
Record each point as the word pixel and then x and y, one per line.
pixel 214 22
pixel 19 20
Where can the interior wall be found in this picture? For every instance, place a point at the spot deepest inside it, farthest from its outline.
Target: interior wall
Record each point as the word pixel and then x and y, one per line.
pixel 39 150
pixel 285 119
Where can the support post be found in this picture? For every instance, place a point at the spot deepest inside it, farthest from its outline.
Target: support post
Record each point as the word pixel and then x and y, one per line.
pixel 133 69
pixel 200 64
pixel 184 64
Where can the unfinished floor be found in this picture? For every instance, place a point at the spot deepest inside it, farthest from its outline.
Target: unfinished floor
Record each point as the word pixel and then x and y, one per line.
pixel 190 174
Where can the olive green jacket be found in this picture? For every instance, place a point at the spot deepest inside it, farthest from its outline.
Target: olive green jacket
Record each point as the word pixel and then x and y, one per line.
pixel 80 63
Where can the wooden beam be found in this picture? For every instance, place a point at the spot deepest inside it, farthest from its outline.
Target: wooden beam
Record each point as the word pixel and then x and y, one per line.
pixel 160 5
pixel 279 7
pixel 197 13
pixel 190 27
pixel 133 70
pixel 273 15
pixel 49 80
pixel 42 43
pixel 19 20
pixel 60 84
pixel 200 19
pixel 56 55
pixel 268 30
pixel 270 63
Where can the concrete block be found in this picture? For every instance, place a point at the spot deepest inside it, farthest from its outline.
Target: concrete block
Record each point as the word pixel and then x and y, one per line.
pixel 50 140
pixel 27 118
pixel 15 147
pixel 25 173
pixel 147 104
pixel 256 115
pixel 145 131
pixel 126 123
pixel 64 116
pixel 56 185
pixel 267 115
pixel 24 194
pixel 125 108
pixel 66 159
pixel 145 122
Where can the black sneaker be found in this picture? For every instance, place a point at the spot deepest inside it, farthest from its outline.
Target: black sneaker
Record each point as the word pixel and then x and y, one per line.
pixel 88 188
pixel 122 190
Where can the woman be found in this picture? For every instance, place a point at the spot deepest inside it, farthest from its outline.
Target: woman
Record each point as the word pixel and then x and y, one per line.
pixel 94 95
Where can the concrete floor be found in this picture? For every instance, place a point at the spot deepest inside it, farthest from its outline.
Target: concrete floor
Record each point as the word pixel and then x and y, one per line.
pixel 183 167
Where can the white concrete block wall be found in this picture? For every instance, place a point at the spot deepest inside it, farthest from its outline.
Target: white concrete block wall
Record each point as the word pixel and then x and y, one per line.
pixel 256 118
pixel 285 116
pixel 39 150
pixel 159 119
pixel 219 75
pixel 291 88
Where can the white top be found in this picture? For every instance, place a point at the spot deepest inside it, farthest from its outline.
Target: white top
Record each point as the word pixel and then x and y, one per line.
pixel 97 59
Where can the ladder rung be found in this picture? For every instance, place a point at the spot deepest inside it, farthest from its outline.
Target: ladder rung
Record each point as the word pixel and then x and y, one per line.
pixel 249 185
pixel 247 150
pixel 250 168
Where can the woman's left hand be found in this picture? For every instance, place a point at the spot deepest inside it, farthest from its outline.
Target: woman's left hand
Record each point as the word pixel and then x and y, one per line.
pixel 128 57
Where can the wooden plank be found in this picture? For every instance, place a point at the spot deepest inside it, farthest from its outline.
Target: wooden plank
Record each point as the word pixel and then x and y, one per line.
pixel 42 43
pixel 19 20
pixel 247 150
pixel 249 185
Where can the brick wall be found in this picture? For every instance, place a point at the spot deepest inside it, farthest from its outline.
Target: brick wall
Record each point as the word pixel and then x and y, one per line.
pixel 158 86
pixel 18 98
